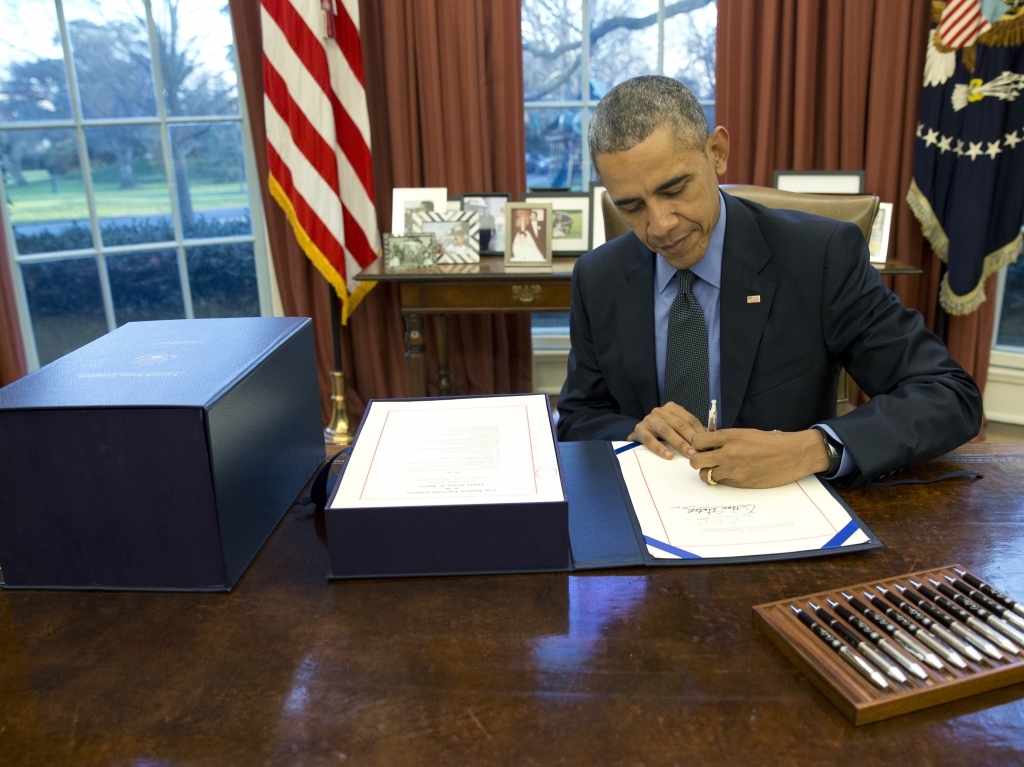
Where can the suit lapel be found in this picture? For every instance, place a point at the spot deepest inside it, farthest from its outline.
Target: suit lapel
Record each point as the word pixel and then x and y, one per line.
pixel 634 310
pixel 744 256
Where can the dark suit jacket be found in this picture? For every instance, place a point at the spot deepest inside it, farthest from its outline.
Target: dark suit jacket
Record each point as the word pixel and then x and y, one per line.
pixel 822 306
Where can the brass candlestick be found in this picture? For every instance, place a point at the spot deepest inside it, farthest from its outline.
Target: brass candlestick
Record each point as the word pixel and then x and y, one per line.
pixel 339 431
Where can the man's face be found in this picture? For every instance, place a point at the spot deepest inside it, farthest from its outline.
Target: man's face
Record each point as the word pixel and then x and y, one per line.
pixel 667 191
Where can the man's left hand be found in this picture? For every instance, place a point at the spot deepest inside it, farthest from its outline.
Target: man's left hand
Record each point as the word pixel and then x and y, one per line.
pixel 752 458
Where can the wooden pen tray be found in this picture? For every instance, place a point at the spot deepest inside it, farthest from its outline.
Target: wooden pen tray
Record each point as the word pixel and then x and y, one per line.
pixel 857 698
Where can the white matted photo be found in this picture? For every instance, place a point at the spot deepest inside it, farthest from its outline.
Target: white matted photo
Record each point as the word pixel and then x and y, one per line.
pixel 491 207
pixel 570 220
pixel 820 181
pixel 528 236
pixel 454 205
pixel 406 201
pixel 878 242
pixel 596 215
pixel 457 235
pixel 409 251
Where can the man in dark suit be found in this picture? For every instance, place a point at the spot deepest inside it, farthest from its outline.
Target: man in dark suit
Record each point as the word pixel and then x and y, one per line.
pixel 714 297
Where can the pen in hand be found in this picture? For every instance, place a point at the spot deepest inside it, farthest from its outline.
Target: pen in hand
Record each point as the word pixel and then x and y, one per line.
pixel 713 416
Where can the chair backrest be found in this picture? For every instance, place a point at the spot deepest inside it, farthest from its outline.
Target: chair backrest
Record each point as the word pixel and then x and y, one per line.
pixel 859 209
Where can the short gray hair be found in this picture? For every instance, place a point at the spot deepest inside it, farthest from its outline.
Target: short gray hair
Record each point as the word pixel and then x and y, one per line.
pixel 633 109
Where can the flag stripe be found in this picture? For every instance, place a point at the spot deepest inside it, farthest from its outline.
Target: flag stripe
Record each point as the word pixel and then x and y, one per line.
pixel 357 201
pixel 348 41
pixel 308 140
pixel 310 221
pixel 357 152
pixel 356 242
pixel 311 185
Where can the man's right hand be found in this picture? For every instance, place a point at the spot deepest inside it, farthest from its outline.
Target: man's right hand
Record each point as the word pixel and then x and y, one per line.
pixel 671 423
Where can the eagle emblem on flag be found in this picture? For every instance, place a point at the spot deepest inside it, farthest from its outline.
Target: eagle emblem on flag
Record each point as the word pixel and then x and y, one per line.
pixel 967 191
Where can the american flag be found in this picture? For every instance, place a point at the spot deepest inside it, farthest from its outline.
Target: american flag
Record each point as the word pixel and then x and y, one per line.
pixel 318 136
pixel 962 23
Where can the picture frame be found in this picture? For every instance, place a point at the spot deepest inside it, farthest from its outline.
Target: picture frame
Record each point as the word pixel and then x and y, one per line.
pixel 570 221
pixel 528 236
pixel 820 181
pixel 596 214
pixel 454 204
pixel 406 252
pixel 407 200
pixel 491 208
pixel 878 242
pixel 458 235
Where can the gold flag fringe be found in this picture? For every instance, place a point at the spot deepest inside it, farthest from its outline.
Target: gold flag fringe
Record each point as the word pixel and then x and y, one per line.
pixel 994 261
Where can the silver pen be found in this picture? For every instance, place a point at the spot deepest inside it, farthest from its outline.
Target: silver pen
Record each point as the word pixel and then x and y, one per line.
pixel 905 641
pixel 943 625
pixel 999 596
pixel 976 639
pixel 981 617
pixel 1012 621
pixel 881 642
pixel 936 649
pixel 713 416
pixel 926 634
pixel 860 665
pixel 860 645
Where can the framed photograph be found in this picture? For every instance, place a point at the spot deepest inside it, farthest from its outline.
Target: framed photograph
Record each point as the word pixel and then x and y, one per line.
pixel 570 221
pixel 820 181
pixel 596 215
pixel 406 201
pixel 528 236
pixel 878 243
pixel 454 205
pixel 457 235
pixel 409 251
pixel 491 207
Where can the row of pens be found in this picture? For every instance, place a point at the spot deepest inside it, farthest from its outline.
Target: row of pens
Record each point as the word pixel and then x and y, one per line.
pixel 900 632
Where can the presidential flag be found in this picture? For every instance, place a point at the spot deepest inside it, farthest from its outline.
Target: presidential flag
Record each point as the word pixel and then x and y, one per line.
pixel 968 185
pixel 318 136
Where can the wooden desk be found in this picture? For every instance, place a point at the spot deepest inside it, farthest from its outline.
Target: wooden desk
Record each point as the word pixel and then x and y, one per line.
pixel 482 288
pixel 620 667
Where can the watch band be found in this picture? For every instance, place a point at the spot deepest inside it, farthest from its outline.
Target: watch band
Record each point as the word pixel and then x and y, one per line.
pixel 834 450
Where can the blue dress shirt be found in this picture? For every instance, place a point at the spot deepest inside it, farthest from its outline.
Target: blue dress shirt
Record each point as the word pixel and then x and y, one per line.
pixel 707 289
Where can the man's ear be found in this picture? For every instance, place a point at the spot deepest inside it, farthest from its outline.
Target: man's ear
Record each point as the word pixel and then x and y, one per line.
pixel 718 149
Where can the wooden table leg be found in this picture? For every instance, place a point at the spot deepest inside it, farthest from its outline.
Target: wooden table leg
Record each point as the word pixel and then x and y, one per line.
pixel 415 355
pixel 444 372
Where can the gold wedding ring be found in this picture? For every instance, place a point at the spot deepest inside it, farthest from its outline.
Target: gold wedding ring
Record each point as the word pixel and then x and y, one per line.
pixel 710 480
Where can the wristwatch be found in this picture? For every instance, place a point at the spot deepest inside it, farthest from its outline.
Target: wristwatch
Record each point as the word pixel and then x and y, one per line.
pixel 834 448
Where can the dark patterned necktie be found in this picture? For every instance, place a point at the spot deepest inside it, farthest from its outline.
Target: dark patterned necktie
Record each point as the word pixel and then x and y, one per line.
pixel 686 354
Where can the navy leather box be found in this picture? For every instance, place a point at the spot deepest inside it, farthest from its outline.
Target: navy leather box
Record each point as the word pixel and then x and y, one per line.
pixel 160 456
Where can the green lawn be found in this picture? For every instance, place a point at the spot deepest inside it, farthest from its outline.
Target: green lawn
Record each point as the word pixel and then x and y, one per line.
pixel 37 202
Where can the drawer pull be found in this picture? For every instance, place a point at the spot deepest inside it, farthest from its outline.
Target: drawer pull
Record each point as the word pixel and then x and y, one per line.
pixel 525 294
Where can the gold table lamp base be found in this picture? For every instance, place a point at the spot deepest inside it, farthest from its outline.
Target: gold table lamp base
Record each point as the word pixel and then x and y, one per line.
pixel 339 431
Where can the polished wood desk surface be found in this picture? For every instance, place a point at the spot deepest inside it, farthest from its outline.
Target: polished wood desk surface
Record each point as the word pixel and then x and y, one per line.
pixel 620 667
pixel 480 289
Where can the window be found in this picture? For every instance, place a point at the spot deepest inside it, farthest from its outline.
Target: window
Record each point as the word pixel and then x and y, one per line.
pixel 626 38
pixel 1009 335
pixel 125 162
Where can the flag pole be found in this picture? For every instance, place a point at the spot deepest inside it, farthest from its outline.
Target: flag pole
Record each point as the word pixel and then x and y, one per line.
pixel 339 431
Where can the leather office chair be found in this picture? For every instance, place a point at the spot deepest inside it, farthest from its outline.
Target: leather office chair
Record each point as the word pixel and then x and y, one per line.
pixel 859 209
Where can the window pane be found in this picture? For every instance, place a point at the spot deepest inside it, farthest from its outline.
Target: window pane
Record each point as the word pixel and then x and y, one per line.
pixel 209 173
pixel 1011 320
pixel 45 195
pixel 145 286
pixel 130 185
pixel 551 49
pixel 33 79
pixel 618 53
pixel 690 51
pixel 196 60
pixel 110 48
pixel 65 304
pixel 553 148
pixel 223 280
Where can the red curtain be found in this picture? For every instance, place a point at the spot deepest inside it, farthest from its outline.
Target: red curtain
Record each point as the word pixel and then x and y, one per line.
pixel 836 85
pixel 12 355
pixel 445 94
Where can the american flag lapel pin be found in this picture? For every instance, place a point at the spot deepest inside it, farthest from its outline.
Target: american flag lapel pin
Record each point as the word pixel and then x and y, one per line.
pixel 753 299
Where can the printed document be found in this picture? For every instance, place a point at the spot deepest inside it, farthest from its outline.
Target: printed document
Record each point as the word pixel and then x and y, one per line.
pixel 682 517
pixel 452 451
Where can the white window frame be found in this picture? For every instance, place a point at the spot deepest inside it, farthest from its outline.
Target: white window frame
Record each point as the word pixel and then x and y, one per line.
pixel 180 242
pixel 585 103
